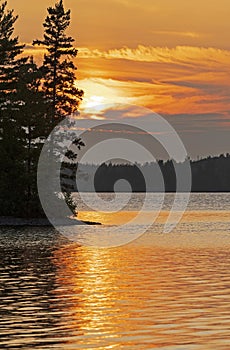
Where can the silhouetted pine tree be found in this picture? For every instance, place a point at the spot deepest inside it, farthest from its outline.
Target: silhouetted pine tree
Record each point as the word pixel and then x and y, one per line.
pixel 10 130
pixel 59 78
pixel 31 116
pixel 23 124
pixel 59 82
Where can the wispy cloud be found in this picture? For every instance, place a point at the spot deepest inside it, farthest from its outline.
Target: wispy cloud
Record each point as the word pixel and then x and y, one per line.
pixel 185 55
pixel 180 54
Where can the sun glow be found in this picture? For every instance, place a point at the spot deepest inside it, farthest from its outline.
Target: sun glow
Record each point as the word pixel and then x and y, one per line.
pixel 94 101
pixel 99 94
pixel 94 106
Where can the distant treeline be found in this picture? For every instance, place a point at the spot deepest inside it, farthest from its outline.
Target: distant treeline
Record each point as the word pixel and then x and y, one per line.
pixel 211 174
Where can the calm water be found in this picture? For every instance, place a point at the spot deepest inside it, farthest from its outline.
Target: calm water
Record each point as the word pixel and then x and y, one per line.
pixel 163 291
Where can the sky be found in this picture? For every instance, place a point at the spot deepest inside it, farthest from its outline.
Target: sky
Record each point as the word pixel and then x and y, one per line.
pixel 172 57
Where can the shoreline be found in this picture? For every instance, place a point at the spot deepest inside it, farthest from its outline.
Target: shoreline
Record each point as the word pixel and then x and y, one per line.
pixel 42 222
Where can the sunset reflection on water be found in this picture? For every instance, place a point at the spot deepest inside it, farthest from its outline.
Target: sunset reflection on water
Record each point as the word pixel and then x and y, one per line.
pixel 122 217
pixel 143 297
pixel 162 291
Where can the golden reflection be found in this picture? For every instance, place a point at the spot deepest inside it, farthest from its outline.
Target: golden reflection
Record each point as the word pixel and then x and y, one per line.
pixel 143 297
pixel 98 293
pixel 122 217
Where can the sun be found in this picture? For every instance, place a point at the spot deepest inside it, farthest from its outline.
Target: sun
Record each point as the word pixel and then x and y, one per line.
pixel 96 94
pixel 94 106
pixel 100 97
pixel 94 101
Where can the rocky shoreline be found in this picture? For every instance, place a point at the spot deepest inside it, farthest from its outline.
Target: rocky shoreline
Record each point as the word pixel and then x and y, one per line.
pixel 11 221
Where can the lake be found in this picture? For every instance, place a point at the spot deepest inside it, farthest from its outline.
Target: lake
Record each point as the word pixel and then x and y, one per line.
pixel 161 291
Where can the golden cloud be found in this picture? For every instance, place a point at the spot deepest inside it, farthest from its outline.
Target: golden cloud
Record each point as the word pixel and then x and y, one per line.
pixel 183 79
pixel 180 54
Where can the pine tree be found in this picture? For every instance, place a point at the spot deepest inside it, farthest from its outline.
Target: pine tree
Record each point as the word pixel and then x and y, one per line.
pixel 59 82
pixel 32 101
pixel 10 146
pixel 9 45
pixel 23 124
pixel 59 79
pixel 31 116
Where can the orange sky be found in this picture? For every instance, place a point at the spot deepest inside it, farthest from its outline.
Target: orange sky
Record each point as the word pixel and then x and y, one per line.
pixel 170 56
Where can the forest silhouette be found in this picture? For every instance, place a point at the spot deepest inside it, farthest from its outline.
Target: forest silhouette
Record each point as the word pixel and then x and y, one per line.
pixel 211 174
